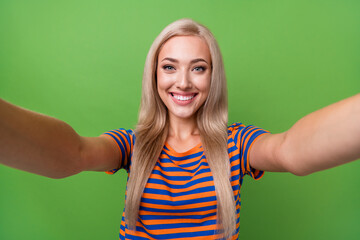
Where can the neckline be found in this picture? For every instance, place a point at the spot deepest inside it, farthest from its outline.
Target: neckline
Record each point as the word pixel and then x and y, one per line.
pixel 187 152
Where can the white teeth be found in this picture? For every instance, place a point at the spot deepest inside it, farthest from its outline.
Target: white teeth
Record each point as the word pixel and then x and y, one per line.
pixel 183 98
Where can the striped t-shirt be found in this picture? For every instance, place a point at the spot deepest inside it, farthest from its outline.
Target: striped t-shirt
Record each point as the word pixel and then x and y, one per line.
pixel 179 199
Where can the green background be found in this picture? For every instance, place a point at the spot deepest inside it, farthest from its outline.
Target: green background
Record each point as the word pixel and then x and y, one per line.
pixel 82 62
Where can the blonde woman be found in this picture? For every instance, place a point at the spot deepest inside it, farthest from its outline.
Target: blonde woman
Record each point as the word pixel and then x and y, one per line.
pixel 185 164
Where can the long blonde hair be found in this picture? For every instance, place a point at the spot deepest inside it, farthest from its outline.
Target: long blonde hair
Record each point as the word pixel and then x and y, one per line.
pixel 152 129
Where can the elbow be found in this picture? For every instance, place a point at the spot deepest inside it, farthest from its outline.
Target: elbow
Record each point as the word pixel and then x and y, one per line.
pixel 67 168
pixel 54 174
pixel 300 173
pixel 56 177
pixel 295 166
pixel 289 160
pixel 69 161
pixel 61 175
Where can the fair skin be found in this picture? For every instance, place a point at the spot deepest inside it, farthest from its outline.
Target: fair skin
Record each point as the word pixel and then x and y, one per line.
pixel 50 147
pixel 292 151
pixel 323 139
pixel 183 72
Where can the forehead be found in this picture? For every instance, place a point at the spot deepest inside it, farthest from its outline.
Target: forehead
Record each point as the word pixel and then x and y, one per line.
pixel 185 48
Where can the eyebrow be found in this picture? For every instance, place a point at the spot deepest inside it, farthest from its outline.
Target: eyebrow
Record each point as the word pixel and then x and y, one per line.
pixel 192 61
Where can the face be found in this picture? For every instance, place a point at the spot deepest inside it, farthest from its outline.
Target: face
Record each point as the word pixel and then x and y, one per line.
pixel 183 75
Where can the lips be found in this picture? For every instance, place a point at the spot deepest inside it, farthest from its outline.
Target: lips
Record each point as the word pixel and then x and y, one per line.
pixel 183 99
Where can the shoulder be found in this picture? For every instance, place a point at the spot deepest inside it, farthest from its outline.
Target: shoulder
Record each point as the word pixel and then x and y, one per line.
pixel 240 127
pixel 235 127
pixel 121 131
pixel 241 132
pixel 122 135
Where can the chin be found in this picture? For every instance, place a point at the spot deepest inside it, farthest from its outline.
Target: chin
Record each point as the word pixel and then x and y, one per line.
pixel 184 115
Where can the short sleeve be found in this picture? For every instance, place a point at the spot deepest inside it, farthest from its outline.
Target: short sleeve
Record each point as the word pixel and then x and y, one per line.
pixel 125 140
pixel 244 137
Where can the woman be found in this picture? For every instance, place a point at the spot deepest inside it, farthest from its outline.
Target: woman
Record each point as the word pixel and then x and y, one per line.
pixel 183 118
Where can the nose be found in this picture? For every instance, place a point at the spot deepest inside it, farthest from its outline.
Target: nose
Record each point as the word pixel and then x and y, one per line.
pixel 183 81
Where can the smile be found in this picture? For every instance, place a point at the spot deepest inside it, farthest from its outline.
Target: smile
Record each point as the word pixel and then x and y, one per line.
pixel 183 99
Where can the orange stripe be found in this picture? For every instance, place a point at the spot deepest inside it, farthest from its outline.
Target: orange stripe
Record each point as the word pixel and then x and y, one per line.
pixel 187 217
pixel 196 177
pixel 193 187
pixel 248 157
pixel 177 230
pixel 115 136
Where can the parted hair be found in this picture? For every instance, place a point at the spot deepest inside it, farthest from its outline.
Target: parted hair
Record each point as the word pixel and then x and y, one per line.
pixel 153 125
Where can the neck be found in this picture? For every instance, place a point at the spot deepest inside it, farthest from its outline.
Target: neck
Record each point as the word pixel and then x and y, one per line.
pixel 182 128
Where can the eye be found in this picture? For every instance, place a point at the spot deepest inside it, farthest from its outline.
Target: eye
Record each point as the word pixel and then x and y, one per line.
pixel 199 69
pixel 168 67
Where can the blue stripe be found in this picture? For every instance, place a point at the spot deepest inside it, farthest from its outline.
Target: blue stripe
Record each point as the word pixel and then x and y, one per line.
pixel 232 149
pixel 236 137
pixel 122 145
pixel 168 193
pixel 189 210
pixel 190 164
pixel 186 185
pixel 129 236
pixel 187 157
pixel 179 225
pixel 181 217
pixel 244 150
pixel 177 169
pixel 173 235
pixel 235 157
pixel 121 237
pixel 179 178
pixel 178 203
pixel 255 133
pixel 131 144
pixel 235 167
pixel 235 177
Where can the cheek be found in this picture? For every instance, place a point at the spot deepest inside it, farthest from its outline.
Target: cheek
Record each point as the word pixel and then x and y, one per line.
pixel 162 86
pixel 160 82
pixel 163 82
pixel 203 83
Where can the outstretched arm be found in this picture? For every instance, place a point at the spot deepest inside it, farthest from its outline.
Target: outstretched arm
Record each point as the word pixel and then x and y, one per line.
pixel 49 147
pixel 323 139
